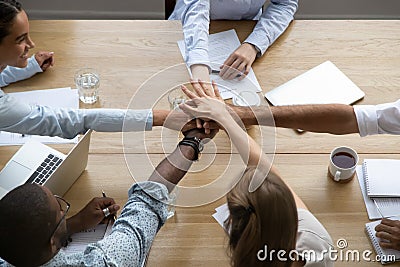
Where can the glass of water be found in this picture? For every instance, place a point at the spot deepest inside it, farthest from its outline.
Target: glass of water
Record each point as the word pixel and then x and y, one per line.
pixel 175 98
pixel 87 81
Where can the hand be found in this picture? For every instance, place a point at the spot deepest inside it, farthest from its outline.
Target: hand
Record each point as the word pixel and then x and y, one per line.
pixel 239 62
pixel 201 134
pixel 206 109
pixel 202 89
pixel 390 231
pixel 91 215
pixel 45 59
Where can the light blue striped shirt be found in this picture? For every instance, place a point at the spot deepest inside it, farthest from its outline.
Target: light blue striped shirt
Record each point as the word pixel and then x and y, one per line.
pixel 19 117
pixel 196 14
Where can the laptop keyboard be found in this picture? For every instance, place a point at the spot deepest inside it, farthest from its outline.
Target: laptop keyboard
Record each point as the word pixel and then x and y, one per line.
pixel 43 172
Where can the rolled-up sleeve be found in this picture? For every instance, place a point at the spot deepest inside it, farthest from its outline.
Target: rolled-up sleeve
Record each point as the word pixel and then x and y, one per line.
pixel 272 23
pixel 195 17
pixel 378 119
pixel 22 118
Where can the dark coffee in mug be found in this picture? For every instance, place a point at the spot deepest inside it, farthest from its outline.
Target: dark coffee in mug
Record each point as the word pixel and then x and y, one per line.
pixel 343 160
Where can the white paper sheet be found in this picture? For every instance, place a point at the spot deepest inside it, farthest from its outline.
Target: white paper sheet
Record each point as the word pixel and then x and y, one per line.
pixel 388 206
pixel 221 45
pixel 82 239
pixel 59 97
pixel 221 214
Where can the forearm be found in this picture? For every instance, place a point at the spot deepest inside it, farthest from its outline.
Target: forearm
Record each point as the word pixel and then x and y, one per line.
pixel 324 118
pixel 200 72
pixel 13 74
pixel 172 169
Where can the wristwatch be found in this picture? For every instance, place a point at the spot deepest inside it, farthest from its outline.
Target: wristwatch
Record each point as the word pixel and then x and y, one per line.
pixel 195 143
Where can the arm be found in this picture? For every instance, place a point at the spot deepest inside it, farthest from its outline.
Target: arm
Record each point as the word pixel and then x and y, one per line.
pixel 328 118
pixel 42 120
pixel 273 22
pixel 13 74
pixel 195 17
pixel 250 152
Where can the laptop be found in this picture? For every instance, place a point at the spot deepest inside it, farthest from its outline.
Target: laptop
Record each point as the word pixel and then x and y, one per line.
pixel 37 163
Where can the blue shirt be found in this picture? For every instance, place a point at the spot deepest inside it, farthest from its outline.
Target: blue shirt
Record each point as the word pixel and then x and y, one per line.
pixel 67 123
pixel 131 236
pixel 196 14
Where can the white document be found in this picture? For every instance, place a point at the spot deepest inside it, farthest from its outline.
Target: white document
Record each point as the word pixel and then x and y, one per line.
pixel 60 97
pixel 323 84
pixel 388 206
pixel 221 214
pixel 381 177
pixel 220 46
pixel 82 239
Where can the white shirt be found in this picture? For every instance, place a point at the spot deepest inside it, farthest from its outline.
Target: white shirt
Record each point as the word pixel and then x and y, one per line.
pixel 42 120
pixel 196 14
pixel 378 119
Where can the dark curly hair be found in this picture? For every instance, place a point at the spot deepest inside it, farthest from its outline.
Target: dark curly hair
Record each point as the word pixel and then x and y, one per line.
pixel 9 9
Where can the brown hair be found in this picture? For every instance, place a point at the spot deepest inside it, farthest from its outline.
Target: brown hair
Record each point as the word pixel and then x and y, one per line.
pixel 9 9
pixel 265 217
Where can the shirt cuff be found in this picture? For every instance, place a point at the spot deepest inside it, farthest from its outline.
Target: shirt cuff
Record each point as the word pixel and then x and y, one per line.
pixel 260 42
pixel 198 56
pixel 33 66
pixel 367 119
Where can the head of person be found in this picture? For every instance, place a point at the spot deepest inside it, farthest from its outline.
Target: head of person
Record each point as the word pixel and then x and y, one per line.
pixel 263 220
pixel 32 225
pixel 14 34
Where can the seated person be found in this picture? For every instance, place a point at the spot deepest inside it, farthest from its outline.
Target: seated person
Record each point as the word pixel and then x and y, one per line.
pixel 33 227
pixel 264 211
pixel 18 117
pixel 273 18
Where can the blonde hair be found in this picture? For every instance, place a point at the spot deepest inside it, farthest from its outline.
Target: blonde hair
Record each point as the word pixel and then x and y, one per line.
pixel 265 217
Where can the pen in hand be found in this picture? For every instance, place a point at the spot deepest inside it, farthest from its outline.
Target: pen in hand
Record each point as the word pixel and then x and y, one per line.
pixel 104 195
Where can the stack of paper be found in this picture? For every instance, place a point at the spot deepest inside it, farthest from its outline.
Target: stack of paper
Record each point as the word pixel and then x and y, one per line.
pixel 60 98
pixel 388 206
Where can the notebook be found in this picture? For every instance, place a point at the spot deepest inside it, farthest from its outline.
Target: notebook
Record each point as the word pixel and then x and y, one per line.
pixel 37 163
pixel 382 177
pixel 323 84
pixel 389 206
pixel 80 240
pixel 385 255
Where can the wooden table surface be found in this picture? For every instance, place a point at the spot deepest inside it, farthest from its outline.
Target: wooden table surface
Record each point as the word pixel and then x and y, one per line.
pixel 139 61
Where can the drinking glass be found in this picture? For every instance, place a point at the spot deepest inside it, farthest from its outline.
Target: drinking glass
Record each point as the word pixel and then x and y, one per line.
pixel 87 81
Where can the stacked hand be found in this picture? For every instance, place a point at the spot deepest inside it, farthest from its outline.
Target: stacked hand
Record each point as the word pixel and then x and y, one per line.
pixel 45 59
pixel 205 105
pixel 389 230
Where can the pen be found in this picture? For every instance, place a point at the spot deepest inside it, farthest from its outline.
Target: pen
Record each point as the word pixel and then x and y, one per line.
pixel 377 207
pixel 218 71
pixel 104 195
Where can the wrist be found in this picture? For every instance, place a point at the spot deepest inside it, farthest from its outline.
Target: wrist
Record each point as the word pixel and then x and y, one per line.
pixel 194 143
pixel 188 152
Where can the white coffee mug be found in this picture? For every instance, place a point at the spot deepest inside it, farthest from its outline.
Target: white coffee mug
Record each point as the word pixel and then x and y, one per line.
pixel 342 164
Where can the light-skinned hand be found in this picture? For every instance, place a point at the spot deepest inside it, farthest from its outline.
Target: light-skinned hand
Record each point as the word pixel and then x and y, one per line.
pixel 45 59
pixel 239 62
